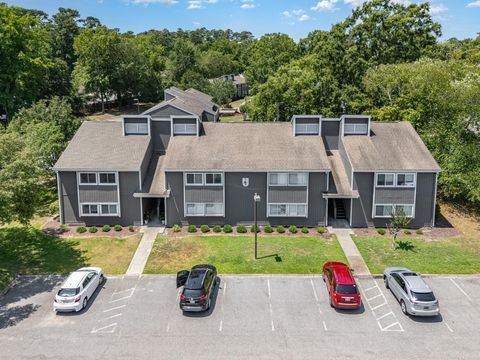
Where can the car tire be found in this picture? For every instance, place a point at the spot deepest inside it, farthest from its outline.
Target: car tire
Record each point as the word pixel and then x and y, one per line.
pixel 85 302
pixel 208 305
pixel 323 277
pixel 331 302
pixel 403 307
pixel 102 279
pixel 386 282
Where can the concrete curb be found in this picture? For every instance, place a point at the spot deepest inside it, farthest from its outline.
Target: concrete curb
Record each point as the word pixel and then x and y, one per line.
pixel 9 287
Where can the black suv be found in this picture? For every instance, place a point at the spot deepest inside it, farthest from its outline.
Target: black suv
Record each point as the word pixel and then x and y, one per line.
pixel 198 287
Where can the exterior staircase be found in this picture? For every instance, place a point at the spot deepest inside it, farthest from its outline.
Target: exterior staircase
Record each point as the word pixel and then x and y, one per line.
pixel 339 209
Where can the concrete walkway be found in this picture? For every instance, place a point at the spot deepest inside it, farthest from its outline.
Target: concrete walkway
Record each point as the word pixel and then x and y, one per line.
pixel 144 249
pixel 350 249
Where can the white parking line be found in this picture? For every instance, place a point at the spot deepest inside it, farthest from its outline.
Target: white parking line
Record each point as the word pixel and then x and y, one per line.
pixel 374 297
pixel 104 328
pixel 121 299
pixel 111 317
pixel 115 308
pixel 221 325
pixel 270 306
pixel 316 297
pixel 391 325
pixel 268 285
pixel 384 316
pixel 378 306
pixel 122 291
pixel 459 288
pixel 448 327
pixel 325 326
pixel 168 327
pixel 370 288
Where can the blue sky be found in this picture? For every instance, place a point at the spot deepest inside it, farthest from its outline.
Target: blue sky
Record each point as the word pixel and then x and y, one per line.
pixel 459 18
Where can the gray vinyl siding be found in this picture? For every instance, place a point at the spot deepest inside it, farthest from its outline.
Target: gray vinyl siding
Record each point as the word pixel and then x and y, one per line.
pixel 346 162
pixel 146 161
pixel 168 110
pixel 204 194
pixel 160 133
pixel 356 120
pixel 239 201
pixel 129 206
pixel 287 194
pixel 184 121
pixel 206 116
pixel 330 134
pixel 394 196
pixel 98 193
pixel 362 207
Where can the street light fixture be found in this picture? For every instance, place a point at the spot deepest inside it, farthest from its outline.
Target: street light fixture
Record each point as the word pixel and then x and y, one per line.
pixel 256 199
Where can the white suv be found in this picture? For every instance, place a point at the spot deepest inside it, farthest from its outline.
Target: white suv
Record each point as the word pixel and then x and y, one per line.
pixel 77 289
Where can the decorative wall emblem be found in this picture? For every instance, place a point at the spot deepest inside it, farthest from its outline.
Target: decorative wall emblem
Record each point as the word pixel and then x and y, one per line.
pixel 245 182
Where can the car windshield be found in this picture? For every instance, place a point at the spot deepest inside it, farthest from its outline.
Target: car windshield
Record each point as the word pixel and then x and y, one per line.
pixel 68 292
pixel 195 293
pixel 346 289
pixel 423 296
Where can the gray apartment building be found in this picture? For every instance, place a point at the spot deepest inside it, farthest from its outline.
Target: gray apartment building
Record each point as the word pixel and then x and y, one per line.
pixel 177 162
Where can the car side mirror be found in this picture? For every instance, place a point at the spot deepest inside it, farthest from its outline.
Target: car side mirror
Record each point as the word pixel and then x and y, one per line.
pixel 352 270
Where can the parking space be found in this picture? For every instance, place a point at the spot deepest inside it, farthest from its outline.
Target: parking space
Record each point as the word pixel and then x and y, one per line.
pixel 253 316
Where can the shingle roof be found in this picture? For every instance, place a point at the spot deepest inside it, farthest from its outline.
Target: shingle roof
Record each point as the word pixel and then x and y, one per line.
pixel 101 145
pixel 244 146
pixel 392 146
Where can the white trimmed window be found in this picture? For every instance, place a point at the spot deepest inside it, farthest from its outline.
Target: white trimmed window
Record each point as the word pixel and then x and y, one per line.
pixel 385 180
pixel 355 129
pixel 136 128
pixel 200 209
pixel 109 209
pixel 107 178
pixel 406 180
pixel 90 209
pixel 307 129
pixel 194 179
pixel 287 210
pixel 386 211
pixel 189 129
pixel 88 178
pixel 99 210
pixel 213 179
pixel 288 179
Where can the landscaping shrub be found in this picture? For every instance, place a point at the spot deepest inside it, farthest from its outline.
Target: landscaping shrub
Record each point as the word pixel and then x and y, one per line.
pixel 93 229
pixel 381 231
pixel 176 228
pixel 227 229
pixel 241 229
pixel 192 229
pixel 268 229
pixel 320 229
pixel 106 228
pixel 280 229
pixel 407 232
pixel 131 228
pixel 258 229
pixel 117 227
pixel 305 230
pixel 419 232
pixel 81 229
pixel 64 228
pixel 204 228
pixel 217 228
pixel 293 229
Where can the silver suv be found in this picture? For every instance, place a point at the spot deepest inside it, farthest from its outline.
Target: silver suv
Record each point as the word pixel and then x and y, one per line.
pixel 414 295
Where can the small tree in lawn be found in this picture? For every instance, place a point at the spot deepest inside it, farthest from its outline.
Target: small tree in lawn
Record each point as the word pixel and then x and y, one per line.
pixel 398 220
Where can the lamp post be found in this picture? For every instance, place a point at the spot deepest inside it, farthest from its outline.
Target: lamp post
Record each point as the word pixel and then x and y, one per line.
pixel 256 199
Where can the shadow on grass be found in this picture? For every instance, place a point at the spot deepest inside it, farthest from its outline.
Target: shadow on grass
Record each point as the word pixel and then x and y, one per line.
pixel 406 245
pixel 277 257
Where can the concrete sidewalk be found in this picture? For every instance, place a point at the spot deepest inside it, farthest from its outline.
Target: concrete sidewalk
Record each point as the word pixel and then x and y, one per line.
pixel 350 249
pixel 144 249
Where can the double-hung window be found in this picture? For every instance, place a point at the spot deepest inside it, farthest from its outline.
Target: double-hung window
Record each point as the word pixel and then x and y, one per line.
pixel 386 180
pixel 386 211
pixel 355 129
pixel 307 129
pixel 201 209
pixel 99 210
pixel 90 209
pixel 109 209
pixel 288 179
pixel 194 179
pixel 136 128
pixel 213 179
pixel 279 179
pixel 107 178
pixel 286 210
pixel 188 129
pixel 406 180
pixel 88 178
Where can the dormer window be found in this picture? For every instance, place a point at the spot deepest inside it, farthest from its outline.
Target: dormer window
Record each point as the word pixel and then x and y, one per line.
pixel 355 125
pixel 306 124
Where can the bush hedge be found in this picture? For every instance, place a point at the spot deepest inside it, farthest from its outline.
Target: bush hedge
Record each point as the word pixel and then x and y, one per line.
pixel 258 229
pixel 241 229
pixel 305 230
pixel 106 228
pixel 131 228
pixel 280 229
pixel 176 228
pixel 217 228
pixel 227 229
pixel 93 229
pixel 81 229
pixel 268 229
pixel 118 227
pixel 381 231
pixel 320 229
pixel 407 232
pixel 192 229
pixel 419 232
pixel 205 228
pixel 293 229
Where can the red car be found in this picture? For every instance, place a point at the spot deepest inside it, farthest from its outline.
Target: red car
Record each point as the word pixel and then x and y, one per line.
pixel 341 286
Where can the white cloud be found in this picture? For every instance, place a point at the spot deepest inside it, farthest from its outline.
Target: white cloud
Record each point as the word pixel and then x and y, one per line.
pixel 148 2
pixel 438 9
pixel 199 4
pixel 298 14
pixel 248 4
pixel 474 4
pixel 304 17
pixel 357 3
pixel 325 5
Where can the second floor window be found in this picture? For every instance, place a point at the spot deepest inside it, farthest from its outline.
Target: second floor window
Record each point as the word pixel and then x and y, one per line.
pixel 107 178
pixel 88 178
pixel 288 179
pixel 195 179
pixel 213 179
pixel 385 179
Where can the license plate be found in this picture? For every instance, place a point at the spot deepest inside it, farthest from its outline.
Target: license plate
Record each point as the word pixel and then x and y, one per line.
pixel 191 301
pixel 426 308
pixel 65 301
pixel 348 299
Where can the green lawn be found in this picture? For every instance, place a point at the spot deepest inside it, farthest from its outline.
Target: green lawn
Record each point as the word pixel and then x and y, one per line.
pixel 234 254
pixel 26 250
pixel 445 256
pixel 231 118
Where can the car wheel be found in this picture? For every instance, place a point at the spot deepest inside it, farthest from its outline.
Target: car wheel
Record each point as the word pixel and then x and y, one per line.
pixel 102 279
pixel 84 304
pixel 403 307
pixel 386 282
pixel 323 277
pixel 208 304
pixel 331 302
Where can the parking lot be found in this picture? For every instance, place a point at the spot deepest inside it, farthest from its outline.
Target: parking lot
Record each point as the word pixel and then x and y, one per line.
pixel 267 317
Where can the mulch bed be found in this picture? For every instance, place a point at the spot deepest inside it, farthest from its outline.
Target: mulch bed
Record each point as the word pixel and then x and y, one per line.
pixel 184 232
pixel 53 228
pixel 435 233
